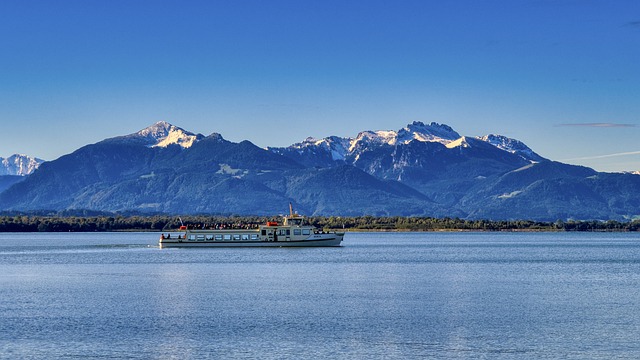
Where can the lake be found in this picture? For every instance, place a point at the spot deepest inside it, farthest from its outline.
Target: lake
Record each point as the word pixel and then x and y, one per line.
pixel 381 295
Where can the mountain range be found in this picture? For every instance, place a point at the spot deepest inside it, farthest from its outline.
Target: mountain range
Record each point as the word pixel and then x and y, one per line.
pixel 419 170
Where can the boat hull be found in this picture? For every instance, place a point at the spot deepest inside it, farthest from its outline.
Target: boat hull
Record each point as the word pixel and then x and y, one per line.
pixel 324 241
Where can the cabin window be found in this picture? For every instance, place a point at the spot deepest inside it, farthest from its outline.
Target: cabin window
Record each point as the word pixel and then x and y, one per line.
pixel 200 237
pixel 254 236
pixel 227 236
pixel 264 232
pixel 236 237
pixel 297 231
pixel 218 237
pixel 209 237
pixel 306 232
pixel 192 237
pixel 245 236
pixel 288 232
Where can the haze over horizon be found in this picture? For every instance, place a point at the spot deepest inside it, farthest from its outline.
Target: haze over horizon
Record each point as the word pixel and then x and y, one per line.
pixel 560 76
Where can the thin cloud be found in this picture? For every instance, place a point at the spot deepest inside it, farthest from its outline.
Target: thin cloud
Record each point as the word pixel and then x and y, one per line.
pixel 599 125
pixel 605 156
pixel 634 23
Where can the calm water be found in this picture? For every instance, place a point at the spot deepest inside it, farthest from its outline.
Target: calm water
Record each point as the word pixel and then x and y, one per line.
pixel 451 295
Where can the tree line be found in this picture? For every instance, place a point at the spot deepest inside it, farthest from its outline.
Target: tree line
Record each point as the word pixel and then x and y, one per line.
pixel 103 223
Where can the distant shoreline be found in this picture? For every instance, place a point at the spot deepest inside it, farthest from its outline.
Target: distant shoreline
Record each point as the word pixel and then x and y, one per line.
pixel 158 223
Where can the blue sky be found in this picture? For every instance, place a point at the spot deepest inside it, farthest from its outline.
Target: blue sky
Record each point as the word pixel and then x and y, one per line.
pixel 560 75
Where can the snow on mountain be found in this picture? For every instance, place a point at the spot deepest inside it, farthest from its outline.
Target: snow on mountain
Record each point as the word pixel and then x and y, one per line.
pixel 417 130
pixel 19 164
pixel 337 146
pixel 511 145
pixel 461 142
pixel 433 132
pixel 163 134
pixel 351 148
pixel 372 138
pixel 416 146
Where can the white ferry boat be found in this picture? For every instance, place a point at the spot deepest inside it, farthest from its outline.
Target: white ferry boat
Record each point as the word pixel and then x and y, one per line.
pixel 291 232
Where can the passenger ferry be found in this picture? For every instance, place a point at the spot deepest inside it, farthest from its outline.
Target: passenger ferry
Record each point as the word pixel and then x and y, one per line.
pixel 291 232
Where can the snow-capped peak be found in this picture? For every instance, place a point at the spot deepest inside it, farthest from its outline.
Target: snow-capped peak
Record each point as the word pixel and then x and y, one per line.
pixel 511 145
pixel 163 134
pixel 379 137
pixel 19 164
pixel 417 130
pixel 334 144
pixel 433 132
pixel 310 141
